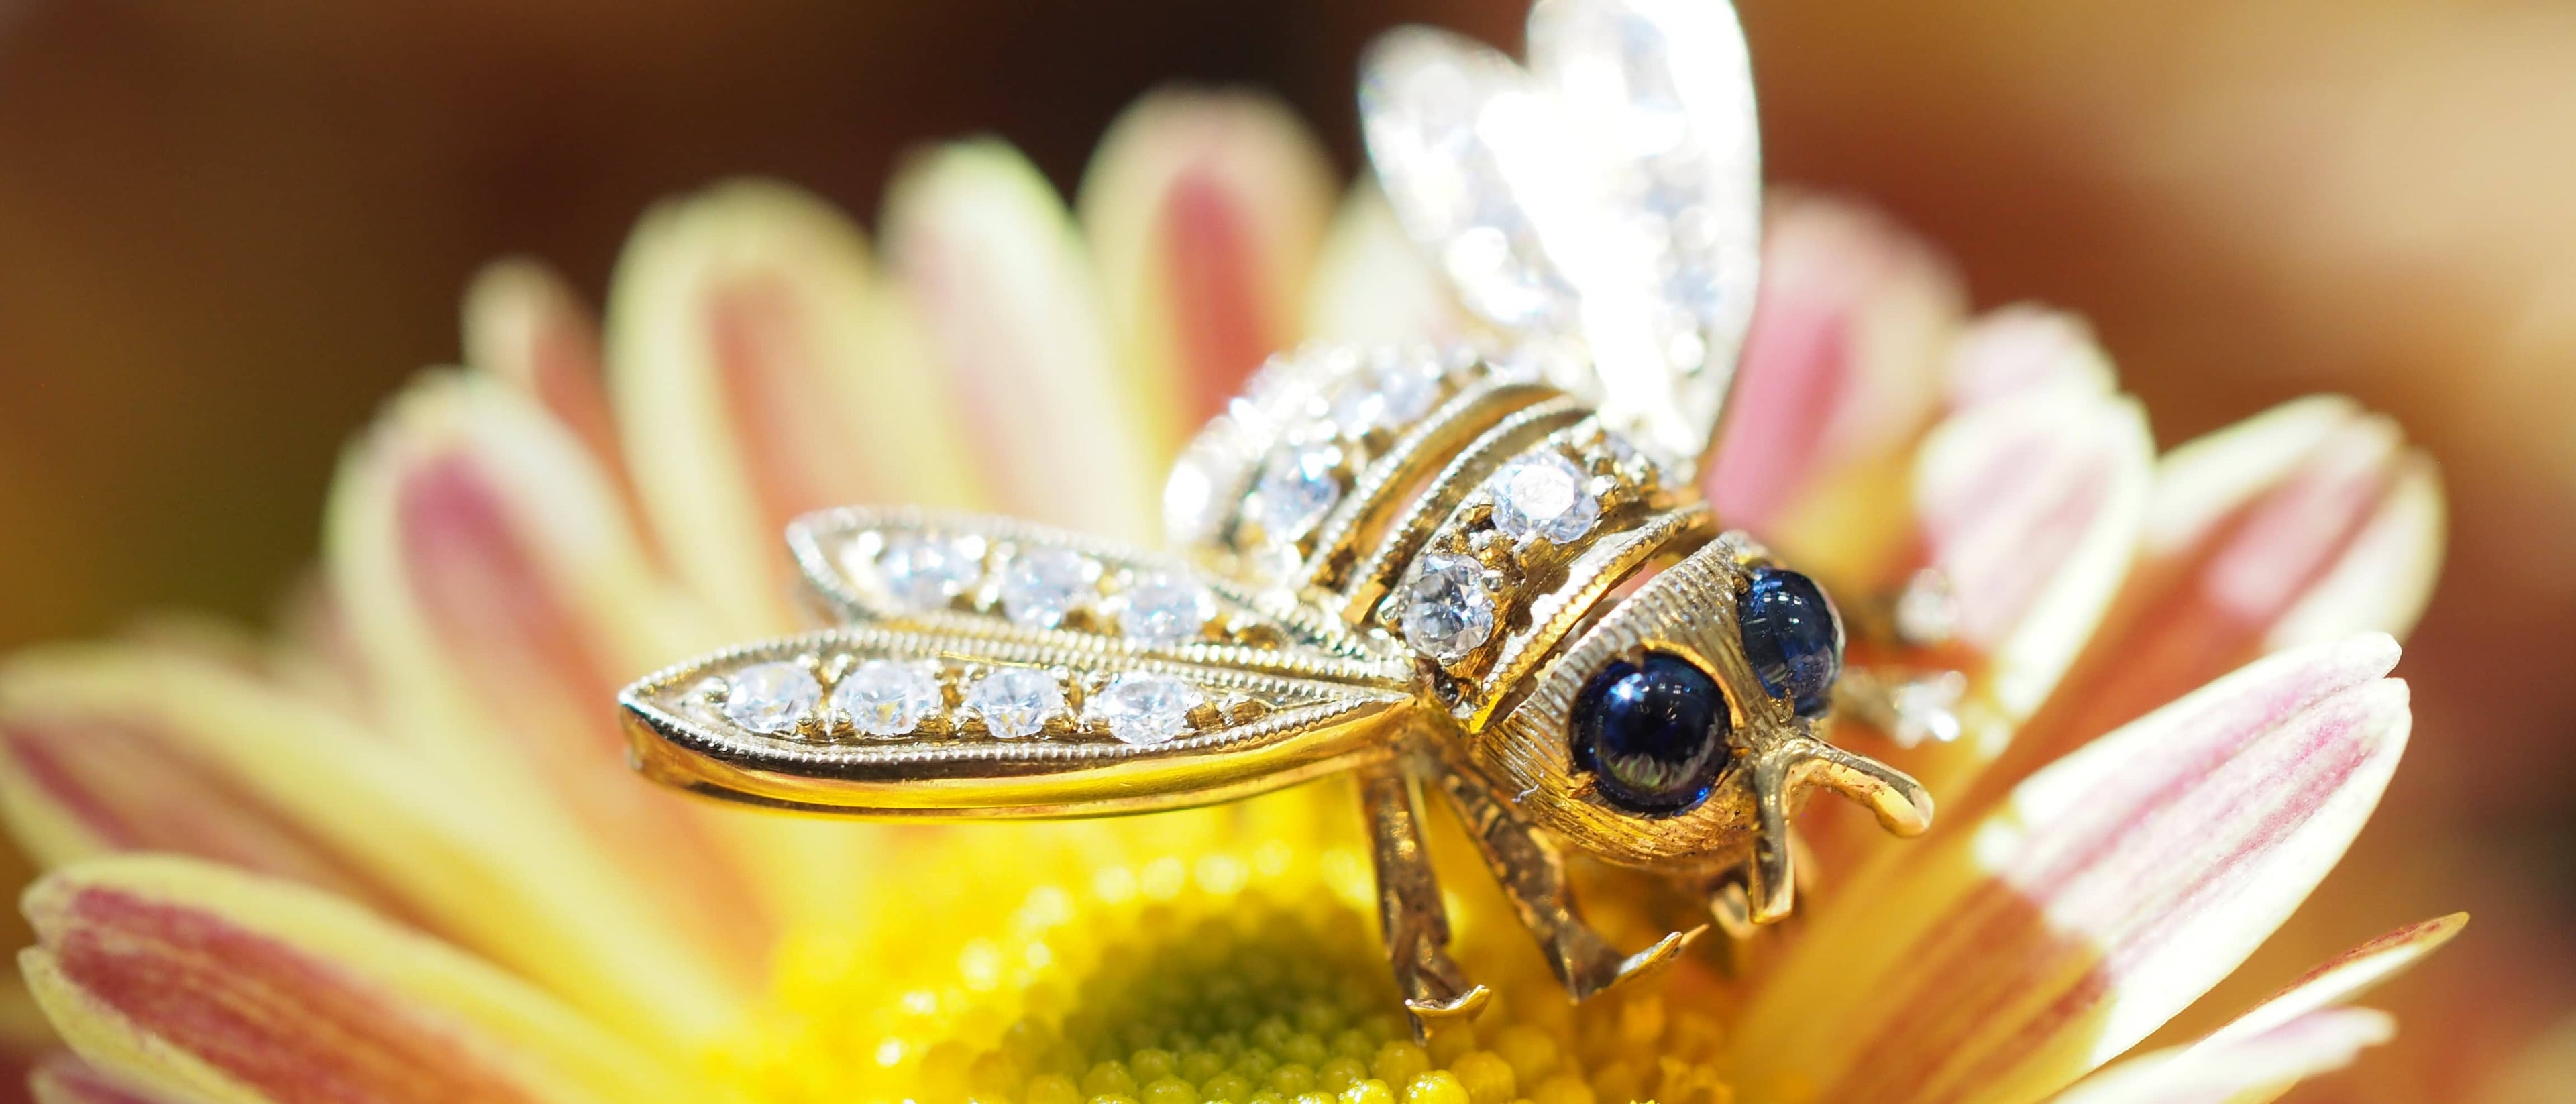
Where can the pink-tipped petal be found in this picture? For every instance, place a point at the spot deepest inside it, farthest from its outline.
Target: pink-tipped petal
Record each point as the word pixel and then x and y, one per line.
pixel 1204 211
pixel 2022 348
pixel 2311 522
pixel 2111 890
pixel 760 369
pixel 120 748
pixel 196 981
pixel 501 597
pixel 2244 1069
pixel 2029 508
pixel 1841 373
pixel 524 325
pixel 1372 285
pixel 1012 308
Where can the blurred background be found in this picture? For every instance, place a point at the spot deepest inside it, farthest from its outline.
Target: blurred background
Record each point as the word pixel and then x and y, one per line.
pixel 228 231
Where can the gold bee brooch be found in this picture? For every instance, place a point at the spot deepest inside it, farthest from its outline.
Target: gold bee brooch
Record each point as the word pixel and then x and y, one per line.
pixel 1482 569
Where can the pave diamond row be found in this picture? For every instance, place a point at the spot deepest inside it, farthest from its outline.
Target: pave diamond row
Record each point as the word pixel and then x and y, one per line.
pixel 884 699
pixel 1538 504
pixel 1037 587
pixel 1267 472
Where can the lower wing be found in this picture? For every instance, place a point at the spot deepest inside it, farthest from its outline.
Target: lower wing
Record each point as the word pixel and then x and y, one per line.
pixel 897 722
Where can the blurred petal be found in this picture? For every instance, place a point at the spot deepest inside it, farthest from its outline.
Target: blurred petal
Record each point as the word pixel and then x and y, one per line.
pixel 1841 373
pixel 759 370
pixel 523 325
pixel 2021 950
pixel 501 600
pixel 993 269
pixel 65 1079
pixel 2023 348
pixel 2311 522
pixel 2030 509
pixel 2245 1069
pixel 1371 285
pixel 118 748
pixel 197 980
pixel 1204 211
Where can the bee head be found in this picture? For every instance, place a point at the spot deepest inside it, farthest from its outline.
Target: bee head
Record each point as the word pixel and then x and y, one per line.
pixel 1676 726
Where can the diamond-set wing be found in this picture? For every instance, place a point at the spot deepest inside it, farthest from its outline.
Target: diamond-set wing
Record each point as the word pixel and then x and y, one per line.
pixel 988 668
pixel 1603 203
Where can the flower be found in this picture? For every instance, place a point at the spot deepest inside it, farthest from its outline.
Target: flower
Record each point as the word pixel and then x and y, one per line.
pixel 395 855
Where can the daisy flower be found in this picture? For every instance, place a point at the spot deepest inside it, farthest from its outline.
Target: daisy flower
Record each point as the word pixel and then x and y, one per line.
pixel 395 853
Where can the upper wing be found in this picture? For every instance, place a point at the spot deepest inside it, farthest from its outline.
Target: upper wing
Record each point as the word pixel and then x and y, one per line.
pixel 997 669
pixel 1606 200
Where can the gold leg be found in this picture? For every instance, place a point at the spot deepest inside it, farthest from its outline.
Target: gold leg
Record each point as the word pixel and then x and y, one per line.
pixel 1532 874
pixel 1408 902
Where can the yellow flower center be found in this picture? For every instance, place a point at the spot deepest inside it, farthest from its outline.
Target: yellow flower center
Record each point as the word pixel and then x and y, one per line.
pixel 1216 955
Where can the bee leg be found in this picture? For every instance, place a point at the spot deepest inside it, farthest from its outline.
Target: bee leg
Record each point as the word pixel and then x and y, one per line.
pixel 1532 874
pixel 1408 902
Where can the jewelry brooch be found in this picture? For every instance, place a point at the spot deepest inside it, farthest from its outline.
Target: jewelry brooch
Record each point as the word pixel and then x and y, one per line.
pixel 1483 570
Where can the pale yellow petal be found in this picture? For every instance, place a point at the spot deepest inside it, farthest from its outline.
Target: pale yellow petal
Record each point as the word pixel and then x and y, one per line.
pixel 1008 297
pixel 194 979
pixel 1372 285
pixel 1204 211
pixel 116 748
pixel 759 369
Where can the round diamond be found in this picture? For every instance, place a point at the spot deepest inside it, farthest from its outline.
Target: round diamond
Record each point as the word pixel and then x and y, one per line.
pixel 1543 495
pixel 923 572
pixel 1396 389
pixel 1015 702
pixel 1446 610
pixel 1144 709
pixel 769 697
pixel 886 698
pixel 1163 611
pixel 1043 584
pixel 1298 484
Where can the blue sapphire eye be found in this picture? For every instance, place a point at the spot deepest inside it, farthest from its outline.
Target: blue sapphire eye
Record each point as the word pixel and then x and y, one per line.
pixel 1653 735
pixel 1792 637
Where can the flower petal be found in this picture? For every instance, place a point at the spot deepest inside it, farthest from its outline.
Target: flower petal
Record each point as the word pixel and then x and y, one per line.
pixel 501 599
pixel 2346 975
pixel 523 325
pixel 760 370
pixel 193 979
pixel 2311 522
pixel 1841 373
pixel 2111 890
pixel 2298 1032
pixel 65 1079
pixel 2024 347
pixel 2030 508
pixel 992 267
pixel 1204 211
pixel 1371 285
pixel 118 748
pixel 2246 1069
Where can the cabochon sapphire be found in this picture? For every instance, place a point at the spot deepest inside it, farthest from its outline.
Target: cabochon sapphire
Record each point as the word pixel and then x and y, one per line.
pixel 1653 735
pixel 1792 637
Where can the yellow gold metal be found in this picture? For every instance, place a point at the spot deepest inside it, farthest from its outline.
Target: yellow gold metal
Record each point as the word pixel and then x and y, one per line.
pixel 1123 680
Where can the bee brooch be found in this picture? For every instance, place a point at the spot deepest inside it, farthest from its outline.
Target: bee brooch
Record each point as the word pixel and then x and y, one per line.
pixel 1484 570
